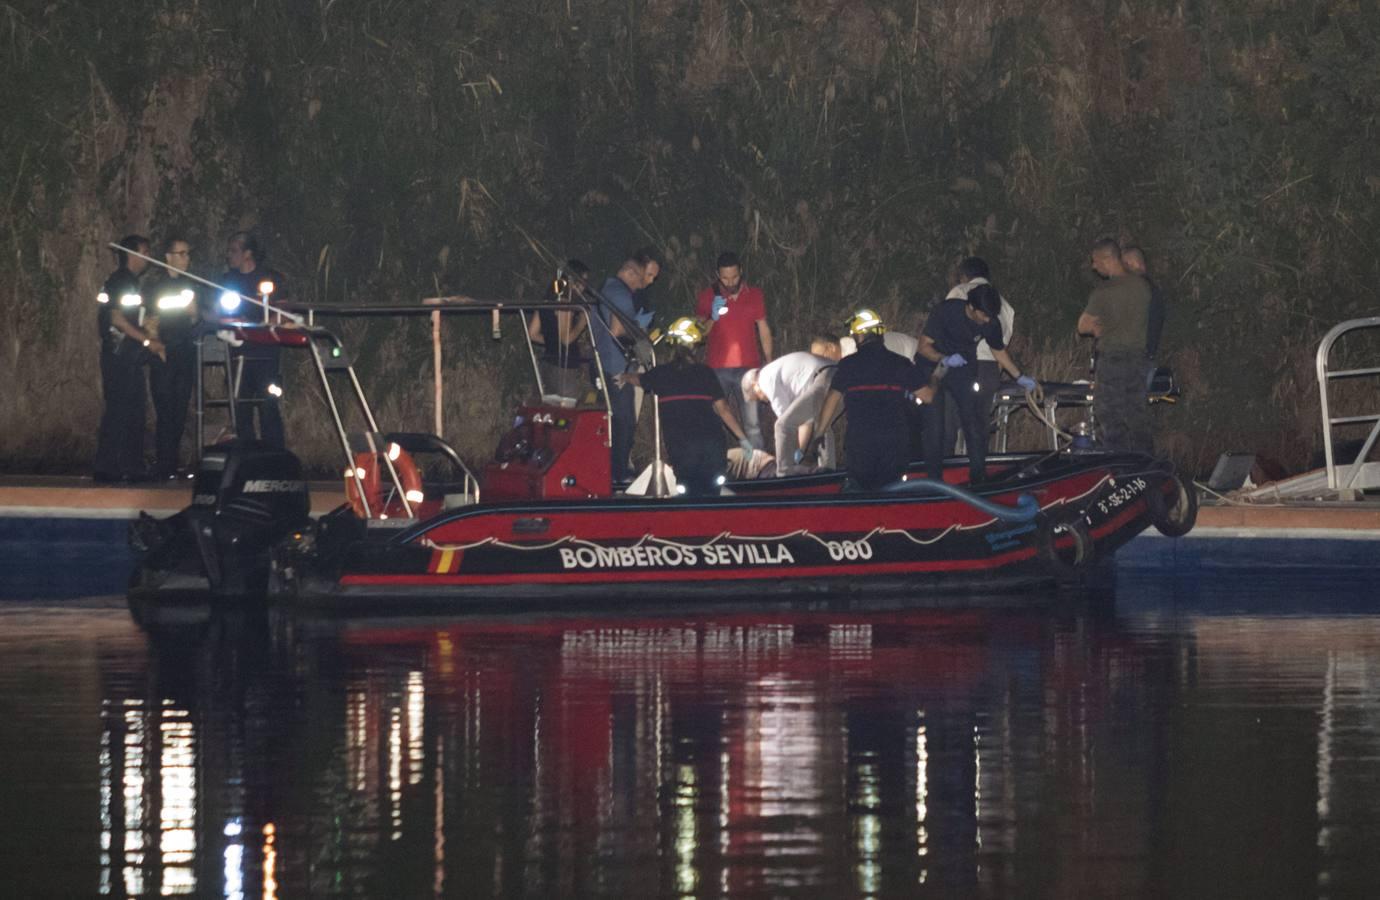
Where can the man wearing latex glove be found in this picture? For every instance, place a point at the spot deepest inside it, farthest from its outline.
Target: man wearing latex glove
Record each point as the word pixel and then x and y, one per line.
pixel 693 409
pixel 795 386
pixel 949 344
pixel 970 273
pixel 739 337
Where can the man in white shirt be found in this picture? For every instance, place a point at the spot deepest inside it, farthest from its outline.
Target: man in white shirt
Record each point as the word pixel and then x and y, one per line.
pixel 795 385
pixel 971 272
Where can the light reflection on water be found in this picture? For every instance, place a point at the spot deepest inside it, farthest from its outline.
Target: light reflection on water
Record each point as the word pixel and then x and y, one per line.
pixel 1183 741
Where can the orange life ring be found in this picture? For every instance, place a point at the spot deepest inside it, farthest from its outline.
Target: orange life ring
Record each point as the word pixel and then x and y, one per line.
pixel 368 476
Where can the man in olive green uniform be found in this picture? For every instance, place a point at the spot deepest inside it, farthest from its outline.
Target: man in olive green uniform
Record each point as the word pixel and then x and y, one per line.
pixel 1117 315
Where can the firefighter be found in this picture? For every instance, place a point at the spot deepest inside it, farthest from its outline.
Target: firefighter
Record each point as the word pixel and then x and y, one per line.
pixel 875 387
pixel 125 347
pixel 175 319
pixel 693 409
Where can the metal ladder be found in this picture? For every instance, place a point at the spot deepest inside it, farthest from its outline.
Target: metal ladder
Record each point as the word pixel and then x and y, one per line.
pixel 1360 474
pixel 214 354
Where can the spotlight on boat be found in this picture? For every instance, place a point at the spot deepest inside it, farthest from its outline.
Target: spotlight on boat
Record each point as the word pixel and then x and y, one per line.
pixel 680 489
pixel 414 496
pixel 265 288
pixel 976 387
pixel 230 301
pixel 721 481
pixel 275 390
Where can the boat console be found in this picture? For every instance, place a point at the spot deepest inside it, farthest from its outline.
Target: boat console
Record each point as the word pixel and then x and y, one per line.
pixel 552 452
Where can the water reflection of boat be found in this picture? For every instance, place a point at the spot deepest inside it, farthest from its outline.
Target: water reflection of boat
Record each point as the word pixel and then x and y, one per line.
pixel 550 523
pixel 1065 752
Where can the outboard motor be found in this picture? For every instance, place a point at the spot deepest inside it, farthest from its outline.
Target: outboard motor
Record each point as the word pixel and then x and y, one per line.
pixel 246 497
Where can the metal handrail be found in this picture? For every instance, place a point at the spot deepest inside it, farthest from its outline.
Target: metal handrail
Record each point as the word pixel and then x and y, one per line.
pixel 1325 376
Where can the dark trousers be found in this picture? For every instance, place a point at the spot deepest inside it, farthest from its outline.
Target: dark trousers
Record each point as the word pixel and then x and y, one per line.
pixel 972 407
pixel 988 379
pixel 875 460
pixel 1119 404
pixel 624 428
pixel 120 441
pixel 171 383
pixel 699 464
pixel 260 372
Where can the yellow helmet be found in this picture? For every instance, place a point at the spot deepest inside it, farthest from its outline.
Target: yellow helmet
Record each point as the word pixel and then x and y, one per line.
pixel 684 332
pixel 865 321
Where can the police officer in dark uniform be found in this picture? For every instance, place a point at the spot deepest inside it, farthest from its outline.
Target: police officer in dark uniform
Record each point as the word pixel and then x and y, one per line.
pixel 176 319
pixel 125 348
pixel 875 387
pixel 261 379
pixel 948 348
pixel 692 407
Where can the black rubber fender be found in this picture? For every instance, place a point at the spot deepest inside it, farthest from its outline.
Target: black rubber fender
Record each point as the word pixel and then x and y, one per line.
pixel 1176 517
pixel 1067 527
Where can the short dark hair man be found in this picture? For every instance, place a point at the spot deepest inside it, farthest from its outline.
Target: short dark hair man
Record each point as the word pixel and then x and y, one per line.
pixel 125 348
pixel 1134 259
pixel 1117 316
pixel 636 274
pixel 176 314
pixel 971 272
pixel 261 379
pixel 949 345
pixel 736 315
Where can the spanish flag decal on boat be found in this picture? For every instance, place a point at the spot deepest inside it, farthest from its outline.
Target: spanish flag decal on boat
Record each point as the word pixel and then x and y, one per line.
pixel 445 562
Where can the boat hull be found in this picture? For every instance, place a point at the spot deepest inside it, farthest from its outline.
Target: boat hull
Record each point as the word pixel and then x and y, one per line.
pixel 792 543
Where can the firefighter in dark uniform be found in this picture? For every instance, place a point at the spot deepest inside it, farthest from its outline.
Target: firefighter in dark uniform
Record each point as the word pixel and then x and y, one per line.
pixel 125 348
pixel 176 318
pixel 948 350
pixel 261 379
pixel 693 406
pixel 875 386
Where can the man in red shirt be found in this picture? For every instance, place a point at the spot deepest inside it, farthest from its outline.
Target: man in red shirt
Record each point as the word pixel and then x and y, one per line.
pixel 736 314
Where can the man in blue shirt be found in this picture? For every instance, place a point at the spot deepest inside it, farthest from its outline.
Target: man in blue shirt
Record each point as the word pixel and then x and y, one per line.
pixel 948 348
pixel 636 274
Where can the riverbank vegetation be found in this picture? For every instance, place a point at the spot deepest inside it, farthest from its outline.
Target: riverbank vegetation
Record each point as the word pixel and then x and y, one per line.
pixel 851 150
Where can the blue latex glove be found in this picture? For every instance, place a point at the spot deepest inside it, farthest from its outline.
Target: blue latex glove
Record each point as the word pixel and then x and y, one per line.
pixel 1027 382
pixel 720 304
pixel 955 361
pixel 745 445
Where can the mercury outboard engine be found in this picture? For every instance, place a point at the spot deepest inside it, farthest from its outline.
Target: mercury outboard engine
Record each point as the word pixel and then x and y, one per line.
pixel 246 497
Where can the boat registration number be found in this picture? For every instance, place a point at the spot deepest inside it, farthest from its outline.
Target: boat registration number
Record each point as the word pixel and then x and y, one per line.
pixel 1128 491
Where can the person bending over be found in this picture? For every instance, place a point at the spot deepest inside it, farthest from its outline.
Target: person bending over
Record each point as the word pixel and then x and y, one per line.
pixel 949 347
pixel 692 407
pixel 795 386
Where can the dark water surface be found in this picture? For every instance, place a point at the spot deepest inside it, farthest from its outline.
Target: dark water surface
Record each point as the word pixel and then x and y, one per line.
pixel 1201 739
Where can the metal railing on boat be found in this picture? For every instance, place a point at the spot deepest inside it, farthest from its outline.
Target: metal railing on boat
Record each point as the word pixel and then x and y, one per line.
pixel 1360 474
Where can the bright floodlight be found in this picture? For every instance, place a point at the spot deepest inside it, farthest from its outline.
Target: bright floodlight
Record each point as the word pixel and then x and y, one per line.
pixel 265 287
pixel 230 301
